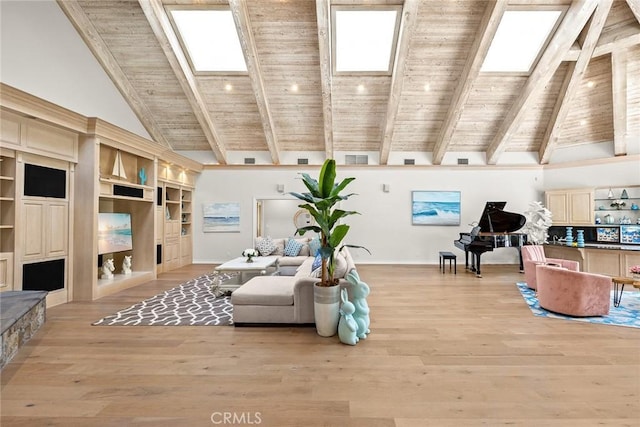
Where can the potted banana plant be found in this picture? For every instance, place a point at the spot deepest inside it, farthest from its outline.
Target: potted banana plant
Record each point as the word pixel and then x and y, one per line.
pixel 320 201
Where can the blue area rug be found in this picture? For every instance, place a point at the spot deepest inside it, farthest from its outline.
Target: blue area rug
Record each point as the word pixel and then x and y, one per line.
pixel 627 314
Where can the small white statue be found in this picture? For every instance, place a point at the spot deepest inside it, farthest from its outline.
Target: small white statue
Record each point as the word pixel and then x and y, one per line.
pixel 126 265
pixel 538 222
pixel 107 269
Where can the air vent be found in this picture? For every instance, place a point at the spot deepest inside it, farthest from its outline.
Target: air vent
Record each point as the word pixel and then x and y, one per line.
pixel 356 159
pixel 409 161
pixel 303 161
pixel 249 160
pixel 462 161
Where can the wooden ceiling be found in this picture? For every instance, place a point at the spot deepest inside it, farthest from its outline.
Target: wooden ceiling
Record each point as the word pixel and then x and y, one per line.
pixel 585 87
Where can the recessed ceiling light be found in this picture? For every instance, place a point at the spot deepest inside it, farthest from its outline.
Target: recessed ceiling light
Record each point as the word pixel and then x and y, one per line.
pixel 427 87
pixel 294 87
pixel 583 122
pixel 228 87
pixel 360 88
pixel 591 83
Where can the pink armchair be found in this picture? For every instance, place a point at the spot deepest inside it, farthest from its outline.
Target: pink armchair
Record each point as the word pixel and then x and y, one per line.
pixel 573 293
pixel 533 255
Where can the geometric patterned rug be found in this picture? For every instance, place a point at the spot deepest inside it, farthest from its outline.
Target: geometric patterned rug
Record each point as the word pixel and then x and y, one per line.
pixel 193 303
pixel 627 314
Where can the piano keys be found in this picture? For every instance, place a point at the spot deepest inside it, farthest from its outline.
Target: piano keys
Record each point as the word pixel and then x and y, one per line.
pixel 496 229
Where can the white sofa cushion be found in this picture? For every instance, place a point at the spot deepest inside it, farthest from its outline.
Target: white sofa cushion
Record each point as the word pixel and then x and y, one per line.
pixel 265 290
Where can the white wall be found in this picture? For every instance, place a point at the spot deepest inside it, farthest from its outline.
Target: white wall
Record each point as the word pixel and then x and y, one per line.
pixel 609 174
pixel 42 54
pixel 384 225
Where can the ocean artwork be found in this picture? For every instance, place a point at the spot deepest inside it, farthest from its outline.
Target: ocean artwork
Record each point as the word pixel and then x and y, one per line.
pixel 114 232
pixel 221 217
pixel 435 208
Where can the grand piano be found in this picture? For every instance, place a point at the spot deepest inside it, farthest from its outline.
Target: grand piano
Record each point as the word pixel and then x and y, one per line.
pixel 496 229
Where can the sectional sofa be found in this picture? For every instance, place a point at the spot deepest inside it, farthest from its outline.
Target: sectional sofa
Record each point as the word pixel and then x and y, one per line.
pixel 286 298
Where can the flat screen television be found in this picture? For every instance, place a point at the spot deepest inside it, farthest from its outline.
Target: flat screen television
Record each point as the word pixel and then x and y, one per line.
pixel 630 234
pixel 114 232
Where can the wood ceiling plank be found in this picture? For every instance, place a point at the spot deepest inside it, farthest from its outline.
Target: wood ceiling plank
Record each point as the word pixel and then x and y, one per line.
pixel 243 26
pixel 487 29
pixel 575 19
pixel 573 80
pixel 634 5
pixel 101 52
pixel 407 25
pixel 324 44
pixel 159 22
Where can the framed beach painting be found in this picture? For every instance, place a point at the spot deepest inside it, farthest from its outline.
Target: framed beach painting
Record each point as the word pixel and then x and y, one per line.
pixel 221 217
pixel 435 207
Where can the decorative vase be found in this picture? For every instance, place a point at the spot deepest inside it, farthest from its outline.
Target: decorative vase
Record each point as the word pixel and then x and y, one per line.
pixel 580 238
pixel 326 305
pixel 624 195
pixel 569 236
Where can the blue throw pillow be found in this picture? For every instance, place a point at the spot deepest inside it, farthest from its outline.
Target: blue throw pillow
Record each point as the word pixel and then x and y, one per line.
pixel 317 262
pixel 292 248
pixel 314 246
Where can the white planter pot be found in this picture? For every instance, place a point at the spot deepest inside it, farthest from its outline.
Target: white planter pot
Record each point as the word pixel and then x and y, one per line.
pixel 326 306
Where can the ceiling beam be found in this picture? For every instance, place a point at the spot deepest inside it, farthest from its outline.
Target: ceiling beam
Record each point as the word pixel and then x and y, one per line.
pixel 484 36
pixel 619 73
pixel 407 25
pixel 575 19
pixel 324 44
pixel 101 52
pixel 572 81
pixel 161 27
pixel 634 5
pixel 243 26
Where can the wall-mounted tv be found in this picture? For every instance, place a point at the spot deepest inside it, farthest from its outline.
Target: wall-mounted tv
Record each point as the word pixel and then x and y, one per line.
pixel 630 234
pixel 114 232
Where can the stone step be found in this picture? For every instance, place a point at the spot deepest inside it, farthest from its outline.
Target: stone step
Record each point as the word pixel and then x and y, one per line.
pixel 22 313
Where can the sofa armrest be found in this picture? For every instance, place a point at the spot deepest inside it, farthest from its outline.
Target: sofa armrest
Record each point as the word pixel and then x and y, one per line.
pixel 303 299
pixel 566 263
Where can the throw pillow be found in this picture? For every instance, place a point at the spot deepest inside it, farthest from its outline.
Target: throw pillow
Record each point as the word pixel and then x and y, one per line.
pixel 265 246
pixel 317 262
pixel 341 266
pixel 292 248
pixel 314 246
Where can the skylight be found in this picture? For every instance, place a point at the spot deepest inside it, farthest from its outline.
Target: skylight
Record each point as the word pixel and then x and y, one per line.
pixel 211 39
pixel 364 40
pixel 519 39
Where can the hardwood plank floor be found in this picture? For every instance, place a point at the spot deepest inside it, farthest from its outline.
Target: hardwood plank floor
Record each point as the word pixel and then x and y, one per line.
pixel 445 350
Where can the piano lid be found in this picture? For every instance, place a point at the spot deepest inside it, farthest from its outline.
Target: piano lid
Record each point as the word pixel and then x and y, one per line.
pixel 495 220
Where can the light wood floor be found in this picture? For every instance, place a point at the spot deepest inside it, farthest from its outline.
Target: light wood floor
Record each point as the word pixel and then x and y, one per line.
pixel 445 350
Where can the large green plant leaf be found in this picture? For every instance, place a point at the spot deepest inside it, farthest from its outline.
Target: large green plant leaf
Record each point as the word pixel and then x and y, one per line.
pixel 327 177
pixel 338 234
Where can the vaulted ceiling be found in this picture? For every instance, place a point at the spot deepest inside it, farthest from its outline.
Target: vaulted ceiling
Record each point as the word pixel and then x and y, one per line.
pixel 584 88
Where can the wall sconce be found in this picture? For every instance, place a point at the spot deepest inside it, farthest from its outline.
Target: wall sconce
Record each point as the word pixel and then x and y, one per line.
pixel 385 188
pixel 280 188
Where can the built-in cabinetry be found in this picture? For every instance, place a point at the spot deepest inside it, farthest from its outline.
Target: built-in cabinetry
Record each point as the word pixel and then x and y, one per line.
pixel 7 217
pixel 610 262
pixel 177 238
pixel 571 207
pixel 617 205
pixel 113 176
pixel 58 171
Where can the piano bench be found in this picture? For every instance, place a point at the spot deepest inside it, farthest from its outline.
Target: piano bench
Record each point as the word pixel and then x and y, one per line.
pixel 448 256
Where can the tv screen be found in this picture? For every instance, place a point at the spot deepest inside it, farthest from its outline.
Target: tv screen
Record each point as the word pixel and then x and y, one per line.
pixel 114 233
pixel 630 234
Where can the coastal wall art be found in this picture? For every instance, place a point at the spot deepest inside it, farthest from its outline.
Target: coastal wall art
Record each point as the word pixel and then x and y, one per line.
pixel 435 207
pixel 221 217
